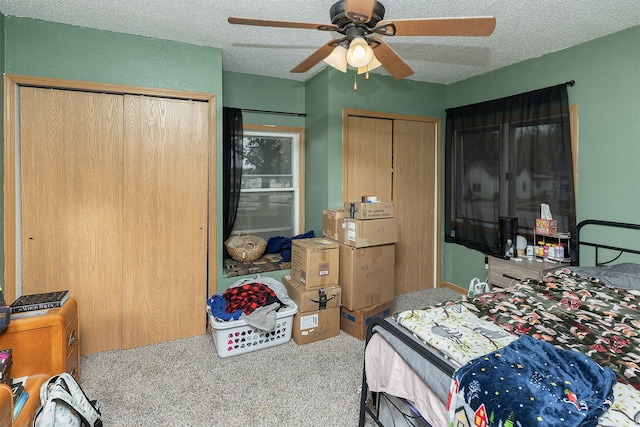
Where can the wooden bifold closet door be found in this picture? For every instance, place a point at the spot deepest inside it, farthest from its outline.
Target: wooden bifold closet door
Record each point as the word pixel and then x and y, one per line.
pixel 369 158
pixel 165 219
pixel 395 158
pixel 114 193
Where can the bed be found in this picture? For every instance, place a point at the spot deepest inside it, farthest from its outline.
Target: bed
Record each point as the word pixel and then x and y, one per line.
pixel 408 368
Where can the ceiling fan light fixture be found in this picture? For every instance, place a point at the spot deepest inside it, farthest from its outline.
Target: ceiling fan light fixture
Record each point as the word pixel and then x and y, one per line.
pixel 370 66
pixel 338 58
pixel 359 53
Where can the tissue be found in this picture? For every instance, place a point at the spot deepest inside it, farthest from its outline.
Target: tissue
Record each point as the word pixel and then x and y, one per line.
pixel 546 225
pixel 545 211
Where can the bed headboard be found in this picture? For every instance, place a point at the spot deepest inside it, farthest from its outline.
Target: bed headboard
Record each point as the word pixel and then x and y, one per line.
pixel 601 244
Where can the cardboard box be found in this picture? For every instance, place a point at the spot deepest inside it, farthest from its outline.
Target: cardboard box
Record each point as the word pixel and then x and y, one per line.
pixel 546 227
pixel 372 210
pixel 316 325
pixel 367 275
pixel 314 299
pixel 361 233
pixel 314 262
pixel 332 223
pixel 355 322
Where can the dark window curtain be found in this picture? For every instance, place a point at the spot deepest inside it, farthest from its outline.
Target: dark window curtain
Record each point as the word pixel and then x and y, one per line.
pixel 504 158
pixel 231 166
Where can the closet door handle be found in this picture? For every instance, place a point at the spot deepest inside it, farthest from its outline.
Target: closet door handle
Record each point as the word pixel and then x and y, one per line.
pixel 73 337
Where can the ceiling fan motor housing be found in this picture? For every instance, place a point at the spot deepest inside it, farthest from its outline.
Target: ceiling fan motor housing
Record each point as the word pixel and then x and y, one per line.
pixel 340 19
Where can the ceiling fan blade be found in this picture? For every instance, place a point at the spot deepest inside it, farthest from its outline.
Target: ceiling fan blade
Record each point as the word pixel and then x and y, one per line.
pixel 359 11
pixel 316 57
pixel 390 60
pixel 281 24
pixel 480 26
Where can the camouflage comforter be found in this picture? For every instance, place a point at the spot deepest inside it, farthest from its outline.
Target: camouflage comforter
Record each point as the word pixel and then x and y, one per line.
pixel 573 313
pixel 563 309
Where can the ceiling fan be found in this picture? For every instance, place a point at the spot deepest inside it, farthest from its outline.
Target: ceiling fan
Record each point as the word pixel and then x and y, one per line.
pixel 362 23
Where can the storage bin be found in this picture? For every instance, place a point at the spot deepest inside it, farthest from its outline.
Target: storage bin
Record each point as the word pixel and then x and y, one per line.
pixel 237 337
pixel 397 412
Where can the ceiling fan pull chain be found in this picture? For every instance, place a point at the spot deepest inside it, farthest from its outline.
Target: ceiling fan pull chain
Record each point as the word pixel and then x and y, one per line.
pixel 355 80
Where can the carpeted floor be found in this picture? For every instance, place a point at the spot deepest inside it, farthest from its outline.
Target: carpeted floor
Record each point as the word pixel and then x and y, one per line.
pixel 185 383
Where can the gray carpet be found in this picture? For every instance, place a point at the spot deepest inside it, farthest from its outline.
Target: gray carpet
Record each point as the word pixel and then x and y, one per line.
pixel 185 383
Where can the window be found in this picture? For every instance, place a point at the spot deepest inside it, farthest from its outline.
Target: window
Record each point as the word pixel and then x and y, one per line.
pixel 504 158
pixel 270 197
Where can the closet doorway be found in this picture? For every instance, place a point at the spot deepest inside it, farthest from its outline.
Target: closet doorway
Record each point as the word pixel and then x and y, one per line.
pixel 107 193
pixel 396 157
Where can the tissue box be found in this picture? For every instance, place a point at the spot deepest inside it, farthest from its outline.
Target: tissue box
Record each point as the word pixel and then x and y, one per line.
pixel 546 227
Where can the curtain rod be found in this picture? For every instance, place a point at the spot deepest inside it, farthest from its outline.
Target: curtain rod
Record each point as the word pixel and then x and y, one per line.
pixel 282 113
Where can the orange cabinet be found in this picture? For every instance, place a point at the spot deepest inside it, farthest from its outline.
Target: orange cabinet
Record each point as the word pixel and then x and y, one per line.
pixel 25 419
pixel 44 342
pixel 6 406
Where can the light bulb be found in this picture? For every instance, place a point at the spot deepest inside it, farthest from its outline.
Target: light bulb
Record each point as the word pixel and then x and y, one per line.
pixel 359 53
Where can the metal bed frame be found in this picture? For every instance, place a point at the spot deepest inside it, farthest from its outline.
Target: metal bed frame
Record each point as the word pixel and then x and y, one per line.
pixel 598 246
pixel 419 347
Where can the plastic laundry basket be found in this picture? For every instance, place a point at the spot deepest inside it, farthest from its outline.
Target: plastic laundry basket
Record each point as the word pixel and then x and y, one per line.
pixel 237 337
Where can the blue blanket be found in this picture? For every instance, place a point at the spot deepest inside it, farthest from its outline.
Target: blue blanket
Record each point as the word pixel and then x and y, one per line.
pixel 530 383
pixel 282 245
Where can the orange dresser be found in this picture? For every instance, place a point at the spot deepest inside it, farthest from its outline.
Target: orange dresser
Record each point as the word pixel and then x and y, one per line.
pixel 6 406
pixel 46 343
pixel 25 419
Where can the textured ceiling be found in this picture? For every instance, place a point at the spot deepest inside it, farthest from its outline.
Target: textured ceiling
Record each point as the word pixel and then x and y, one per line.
pixel 525 29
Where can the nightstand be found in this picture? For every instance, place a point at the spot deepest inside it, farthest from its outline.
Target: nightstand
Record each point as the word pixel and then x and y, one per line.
pixel 44 342
pixel 503 272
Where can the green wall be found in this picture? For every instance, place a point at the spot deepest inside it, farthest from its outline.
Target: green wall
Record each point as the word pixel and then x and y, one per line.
pixel 607 94
pixel 40 48
pixel 319 153
pixel 267 94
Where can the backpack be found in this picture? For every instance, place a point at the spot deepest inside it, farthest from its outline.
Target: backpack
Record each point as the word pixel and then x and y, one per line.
pixel 64 404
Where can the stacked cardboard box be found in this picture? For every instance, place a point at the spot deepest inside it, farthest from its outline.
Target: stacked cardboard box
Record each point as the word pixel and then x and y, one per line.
pixel 313 286
pixel 366 275
pixel 318 314
pixel 355 322
pixel 369 224
pixel 314 262
pixel 367 240
pixel 332 220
